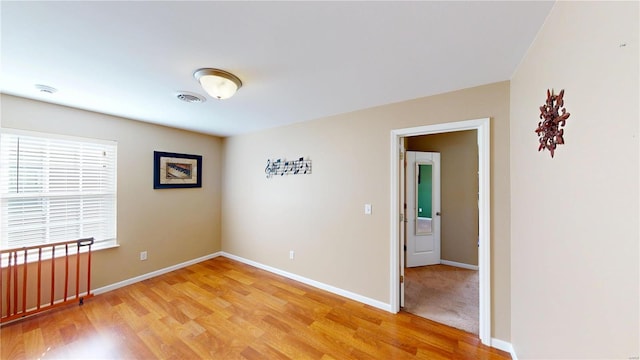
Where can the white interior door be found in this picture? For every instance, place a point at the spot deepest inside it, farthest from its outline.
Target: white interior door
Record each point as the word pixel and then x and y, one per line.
pixel 422 186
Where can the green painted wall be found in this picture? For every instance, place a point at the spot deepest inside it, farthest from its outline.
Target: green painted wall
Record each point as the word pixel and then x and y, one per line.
pixel 424 191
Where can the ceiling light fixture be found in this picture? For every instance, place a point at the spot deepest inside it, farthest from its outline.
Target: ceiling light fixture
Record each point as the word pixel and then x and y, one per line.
pixel 218 83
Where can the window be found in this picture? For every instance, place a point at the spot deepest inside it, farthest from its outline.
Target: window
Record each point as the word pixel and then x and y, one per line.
pixel 56 188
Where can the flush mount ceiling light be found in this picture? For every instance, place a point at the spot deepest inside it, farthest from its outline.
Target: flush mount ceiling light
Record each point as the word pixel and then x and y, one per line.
pixel 218 83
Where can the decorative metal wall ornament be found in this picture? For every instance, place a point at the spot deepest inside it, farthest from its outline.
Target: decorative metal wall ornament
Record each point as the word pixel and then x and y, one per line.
pixel 554 117
pixel 284 167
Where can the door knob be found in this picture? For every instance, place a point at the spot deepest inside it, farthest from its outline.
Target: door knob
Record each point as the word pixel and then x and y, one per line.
pixel 438 213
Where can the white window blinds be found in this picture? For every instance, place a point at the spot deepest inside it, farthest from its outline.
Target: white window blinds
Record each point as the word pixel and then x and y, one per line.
pixel 55 188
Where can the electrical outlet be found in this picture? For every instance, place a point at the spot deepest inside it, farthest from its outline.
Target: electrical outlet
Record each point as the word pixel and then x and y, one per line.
pixel 367 209
pixel 143 255
pixel 291 254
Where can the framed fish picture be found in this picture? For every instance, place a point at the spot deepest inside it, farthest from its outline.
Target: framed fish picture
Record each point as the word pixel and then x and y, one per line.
pixel 173 170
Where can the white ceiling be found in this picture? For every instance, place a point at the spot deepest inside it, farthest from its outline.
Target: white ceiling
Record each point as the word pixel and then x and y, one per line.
pixel 298 60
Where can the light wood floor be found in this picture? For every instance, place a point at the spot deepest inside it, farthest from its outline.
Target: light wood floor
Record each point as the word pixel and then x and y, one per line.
pixel 222 309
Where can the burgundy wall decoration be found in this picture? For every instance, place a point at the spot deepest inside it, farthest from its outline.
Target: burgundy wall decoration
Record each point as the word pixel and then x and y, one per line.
pixel 554 117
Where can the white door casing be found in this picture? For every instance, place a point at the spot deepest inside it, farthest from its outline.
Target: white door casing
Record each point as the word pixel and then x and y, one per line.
pixel 403 216
pixel 484 196
pixel 423 247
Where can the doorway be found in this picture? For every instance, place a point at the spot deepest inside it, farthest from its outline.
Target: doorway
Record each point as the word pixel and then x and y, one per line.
pixel 397 214
pixel 445 290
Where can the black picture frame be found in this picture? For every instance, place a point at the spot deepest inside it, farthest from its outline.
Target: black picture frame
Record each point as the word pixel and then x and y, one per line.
pixel 174 170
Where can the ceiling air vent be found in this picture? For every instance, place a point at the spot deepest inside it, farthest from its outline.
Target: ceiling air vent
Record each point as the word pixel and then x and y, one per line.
pixel 45 89
pixel 190 97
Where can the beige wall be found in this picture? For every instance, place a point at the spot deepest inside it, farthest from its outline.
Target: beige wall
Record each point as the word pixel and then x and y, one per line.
pixel 574 230
pixel 173 225
pixel 320 216
pixel 459 191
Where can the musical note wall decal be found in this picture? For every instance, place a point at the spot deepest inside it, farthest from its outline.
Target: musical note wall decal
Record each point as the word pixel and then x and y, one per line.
pixel 282 167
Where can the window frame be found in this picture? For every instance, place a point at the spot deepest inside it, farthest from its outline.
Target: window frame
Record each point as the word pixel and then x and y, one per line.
pixel 105 194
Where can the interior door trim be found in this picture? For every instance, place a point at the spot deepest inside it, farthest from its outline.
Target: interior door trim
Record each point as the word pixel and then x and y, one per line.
pixel 484 212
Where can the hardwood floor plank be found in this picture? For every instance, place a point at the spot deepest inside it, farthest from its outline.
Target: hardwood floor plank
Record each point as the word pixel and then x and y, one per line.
pixel 207 345
pixel 361 355
pixel 129 317
pixel 305 306
pixel 380 340
pixel 34 345
pixel 154 342
pixel 265 352
pixel 223 309
pixel 431 341
pixel 148 299
pixel 132 302
pixel 12 343
pixel 290 347
pixel 120 336
pixel 249 326
pixel 298 314
pixel 190 307
pixel 240 277
pixel 50 325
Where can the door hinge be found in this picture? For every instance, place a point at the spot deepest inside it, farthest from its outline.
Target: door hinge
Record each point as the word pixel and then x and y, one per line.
pixel 405 247
pixel 401 217
pixel 401 279
pixel 401 155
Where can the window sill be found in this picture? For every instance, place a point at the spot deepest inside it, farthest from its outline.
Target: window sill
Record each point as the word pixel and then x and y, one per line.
pixel 104 246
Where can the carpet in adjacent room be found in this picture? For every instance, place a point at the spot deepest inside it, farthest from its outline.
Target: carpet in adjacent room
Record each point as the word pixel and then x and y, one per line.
pixel 445 294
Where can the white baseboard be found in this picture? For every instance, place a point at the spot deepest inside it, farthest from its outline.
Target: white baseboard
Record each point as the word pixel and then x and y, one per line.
pixel 504 346
pixel 332 289
pixel 460 265
pixel 136 279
